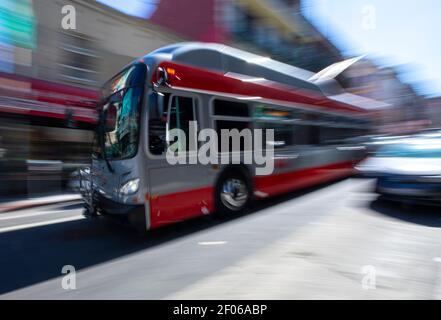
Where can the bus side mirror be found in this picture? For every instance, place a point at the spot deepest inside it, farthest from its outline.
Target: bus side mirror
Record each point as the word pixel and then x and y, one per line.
pixel 161 77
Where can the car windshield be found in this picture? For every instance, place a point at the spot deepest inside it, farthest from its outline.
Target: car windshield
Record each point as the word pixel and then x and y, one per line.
pixel 412 148
pixel 120 114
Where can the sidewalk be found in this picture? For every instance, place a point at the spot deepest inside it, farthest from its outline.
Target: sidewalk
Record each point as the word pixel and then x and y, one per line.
pixel 37 201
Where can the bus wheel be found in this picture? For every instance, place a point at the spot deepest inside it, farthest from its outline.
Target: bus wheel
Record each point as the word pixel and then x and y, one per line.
pixel 233 193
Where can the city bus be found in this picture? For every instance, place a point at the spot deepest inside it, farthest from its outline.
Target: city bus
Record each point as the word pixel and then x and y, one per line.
pixel 220 88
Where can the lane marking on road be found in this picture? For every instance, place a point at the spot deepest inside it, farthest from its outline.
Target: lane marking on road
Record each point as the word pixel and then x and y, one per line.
pixel 211 243
pixel 322 224
pixel 27 215
pixel 39 224
pixel 437 285
pixel 18 205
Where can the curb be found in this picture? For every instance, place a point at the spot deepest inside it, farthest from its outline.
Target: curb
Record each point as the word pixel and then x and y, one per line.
pixel 24 204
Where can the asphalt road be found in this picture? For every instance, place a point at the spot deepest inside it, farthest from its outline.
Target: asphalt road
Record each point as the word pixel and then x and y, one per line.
pixel 332 242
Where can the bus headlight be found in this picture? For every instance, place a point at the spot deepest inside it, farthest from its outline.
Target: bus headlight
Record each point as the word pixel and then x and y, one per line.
pixel 130 187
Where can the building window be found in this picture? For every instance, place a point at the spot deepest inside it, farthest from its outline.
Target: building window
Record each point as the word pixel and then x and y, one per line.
pixel 78 61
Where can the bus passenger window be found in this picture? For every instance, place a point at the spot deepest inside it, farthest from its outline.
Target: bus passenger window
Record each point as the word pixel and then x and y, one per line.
pixel 230 125
pixel 283 135
pixel 301 135
pixel 231 115
pixel 263 112
pixel 231 109
pixel 333 135
pixel 314 135
pixel 181 113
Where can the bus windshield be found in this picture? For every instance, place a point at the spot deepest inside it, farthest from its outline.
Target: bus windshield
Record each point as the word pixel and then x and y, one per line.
pixel 121 109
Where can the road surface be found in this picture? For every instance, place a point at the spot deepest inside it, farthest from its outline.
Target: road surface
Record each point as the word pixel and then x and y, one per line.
pixel 332 242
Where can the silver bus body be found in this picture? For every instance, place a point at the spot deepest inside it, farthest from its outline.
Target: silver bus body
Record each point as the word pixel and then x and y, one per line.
pixel 137 182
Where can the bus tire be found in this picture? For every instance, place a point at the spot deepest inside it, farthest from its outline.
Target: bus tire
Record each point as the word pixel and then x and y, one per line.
pixel 137 220
pixel 233 192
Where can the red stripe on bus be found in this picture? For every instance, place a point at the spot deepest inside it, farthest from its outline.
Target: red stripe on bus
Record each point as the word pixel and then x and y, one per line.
pixel 175 207
pixel 207 80
pixel 292 180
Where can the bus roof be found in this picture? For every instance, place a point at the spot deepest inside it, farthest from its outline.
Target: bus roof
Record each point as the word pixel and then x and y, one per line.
pixel 223 58
pixel 242 64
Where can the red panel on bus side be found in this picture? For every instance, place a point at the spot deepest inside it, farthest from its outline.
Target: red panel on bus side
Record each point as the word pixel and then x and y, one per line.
pixel 280 183
pixel 175 207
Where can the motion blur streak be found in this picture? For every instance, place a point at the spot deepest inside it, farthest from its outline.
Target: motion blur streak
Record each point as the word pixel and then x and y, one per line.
pixel 51 82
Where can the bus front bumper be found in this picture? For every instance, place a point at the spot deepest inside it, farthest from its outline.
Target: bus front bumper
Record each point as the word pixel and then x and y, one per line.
pixel 110 207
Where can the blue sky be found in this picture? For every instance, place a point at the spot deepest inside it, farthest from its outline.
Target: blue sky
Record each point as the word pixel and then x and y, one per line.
pixel 402 32
pixel 137 8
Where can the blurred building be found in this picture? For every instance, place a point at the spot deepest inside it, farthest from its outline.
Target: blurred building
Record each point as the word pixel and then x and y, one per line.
pixel 103 42
pixel 434 111
pixel 275 28
pixel 407 110
pixel 49 82
pixel 278 28
pixel 105 39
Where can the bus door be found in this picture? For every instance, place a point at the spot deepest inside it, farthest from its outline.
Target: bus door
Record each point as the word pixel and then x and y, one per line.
pixel 177 190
